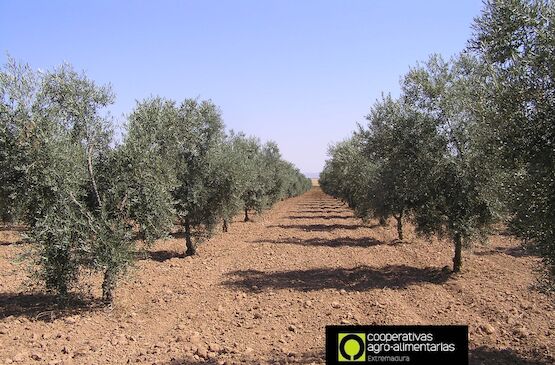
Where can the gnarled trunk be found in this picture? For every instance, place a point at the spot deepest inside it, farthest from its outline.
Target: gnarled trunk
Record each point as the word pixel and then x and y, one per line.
pixel 383 222
pixel 63 293
pixel 399 219
pixel 246 215
pixel 224 227
pixel 108 286
pixel 190 247
pixel 457 259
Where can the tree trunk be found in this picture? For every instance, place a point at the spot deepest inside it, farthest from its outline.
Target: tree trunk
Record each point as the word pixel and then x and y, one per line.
pixel 246 215
pixel 383 222
pixel 63 293
pixel 142 235
pixel 91 175
pixel 457 260
pixel 191 249
pixel 108 286
pixel 224 228
pixel 399 225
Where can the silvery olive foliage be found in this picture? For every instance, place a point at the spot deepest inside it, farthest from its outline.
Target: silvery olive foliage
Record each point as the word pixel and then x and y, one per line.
pixel 57 137
pixel 459 201
pixel 211 176
pixel 350 176
pixel 423 155
pixel 183 137
pixel 87 199
pixel 18 87
pixel 269 177
pixel 515 40
pixel 469 142
pixel 403 146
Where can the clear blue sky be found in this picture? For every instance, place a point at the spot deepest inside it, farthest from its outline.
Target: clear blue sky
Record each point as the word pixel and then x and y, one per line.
pixel 302 73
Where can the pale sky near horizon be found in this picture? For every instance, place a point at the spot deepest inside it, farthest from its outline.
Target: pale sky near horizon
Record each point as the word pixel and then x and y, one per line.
pixel 301 73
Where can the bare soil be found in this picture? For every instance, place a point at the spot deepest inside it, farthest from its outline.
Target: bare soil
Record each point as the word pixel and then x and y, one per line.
pixel 264 291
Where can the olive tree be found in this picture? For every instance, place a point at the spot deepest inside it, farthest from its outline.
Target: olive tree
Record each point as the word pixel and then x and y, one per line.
pixel 295 183
pixel 350 175
pixel 199 129
pixel 99 222
pixel 516 41
pixel 146 169
pixel 236 175
pixel 57 136
pixel 253 192
pixel 186 138
pixel 400 142
pixel 18 87
pixel 456 198
pixel 266 177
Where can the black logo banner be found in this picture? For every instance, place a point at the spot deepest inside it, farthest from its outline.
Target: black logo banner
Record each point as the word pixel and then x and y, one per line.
pixel 397 345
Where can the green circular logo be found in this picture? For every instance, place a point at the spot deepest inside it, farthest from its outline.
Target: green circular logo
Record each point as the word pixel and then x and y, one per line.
pixel 352 347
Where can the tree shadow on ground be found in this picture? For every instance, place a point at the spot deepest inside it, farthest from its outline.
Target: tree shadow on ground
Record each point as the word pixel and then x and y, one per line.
pixel 322 216
pixel 359 278
pixel 317 227
pixel 274 358
pixel 178 235
pixel 12 238
pixel 320 206
pixel 511 251
pixel 11 243
pixel 320 211
pixel 44 307
pixel 159 256
pixel 326 242
pixel 15 228
pixel 493 356
pixel 320 202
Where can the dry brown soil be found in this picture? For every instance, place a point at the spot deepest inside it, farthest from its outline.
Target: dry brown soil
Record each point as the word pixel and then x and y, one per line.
pixel 263 293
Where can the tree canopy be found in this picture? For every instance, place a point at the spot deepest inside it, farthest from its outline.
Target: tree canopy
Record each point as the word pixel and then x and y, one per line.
pixel 87 199
pixel 469 142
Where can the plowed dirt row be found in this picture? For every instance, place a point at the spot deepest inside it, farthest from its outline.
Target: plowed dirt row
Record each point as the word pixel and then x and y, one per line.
pixel 264 292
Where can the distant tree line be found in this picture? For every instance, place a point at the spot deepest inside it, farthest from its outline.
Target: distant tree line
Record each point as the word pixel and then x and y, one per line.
pixel 469 142
pixel 86 198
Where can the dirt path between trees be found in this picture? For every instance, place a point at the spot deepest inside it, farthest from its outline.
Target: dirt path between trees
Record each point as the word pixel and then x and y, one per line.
pixel 264 292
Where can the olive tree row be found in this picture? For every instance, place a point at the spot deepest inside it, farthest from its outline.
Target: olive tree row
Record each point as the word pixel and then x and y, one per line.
pixel 87 199
pixel 211 176
pixel 425 156
pixel 469 141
